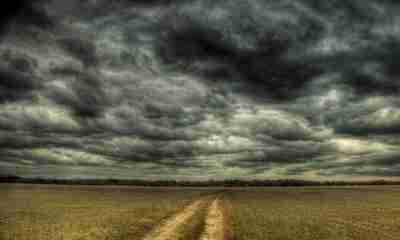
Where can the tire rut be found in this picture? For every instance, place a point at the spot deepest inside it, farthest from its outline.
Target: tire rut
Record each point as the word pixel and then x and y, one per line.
pixel 169 230
pixel 214 228
pixel 214 225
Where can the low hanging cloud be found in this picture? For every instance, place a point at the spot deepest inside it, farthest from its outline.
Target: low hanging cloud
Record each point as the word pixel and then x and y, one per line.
pixel 196 89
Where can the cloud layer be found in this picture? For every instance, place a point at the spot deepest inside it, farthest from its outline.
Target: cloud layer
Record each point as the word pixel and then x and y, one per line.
pixel 199 89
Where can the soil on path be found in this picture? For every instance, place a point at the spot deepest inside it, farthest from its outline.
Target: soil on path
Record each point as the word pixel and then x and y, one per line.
pixel 214 229
pixel 169 230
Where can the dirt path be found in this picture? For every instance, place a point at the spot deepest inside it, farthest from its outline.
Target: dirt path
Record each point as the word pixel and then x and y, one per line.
pixel 214 229
pixel 170 229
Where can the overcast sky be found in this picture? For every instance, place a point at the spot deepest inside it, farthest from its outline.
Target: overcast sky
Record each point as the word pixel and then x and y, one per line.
pixel 202 89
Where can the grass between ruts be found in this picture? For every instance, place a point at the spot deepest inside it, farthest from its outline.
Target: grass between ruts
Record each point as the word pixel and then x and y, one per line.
pixel 227 224
pixel 194 228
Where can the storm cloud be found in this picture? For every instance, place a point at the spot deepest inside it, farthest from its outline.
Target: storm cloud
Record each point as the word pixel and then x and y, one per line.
pixel 199 89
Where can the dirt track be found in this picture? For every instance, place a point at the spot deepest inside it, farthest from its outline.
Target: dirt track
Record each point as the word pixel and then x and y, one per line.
pixel 214 229
pixel 172 228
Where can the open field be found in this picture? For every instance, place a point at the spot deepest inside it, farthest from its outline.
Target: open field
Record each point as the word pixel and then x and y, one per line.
pixel 334 213
pixel 121 212
pixel 44 212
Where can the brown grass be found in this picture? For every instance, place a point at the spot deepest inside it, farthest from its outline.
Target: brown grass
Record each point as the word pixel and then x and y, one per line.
pixel 41 212
pixel 227 225
pixel 195 226
pixel 353 213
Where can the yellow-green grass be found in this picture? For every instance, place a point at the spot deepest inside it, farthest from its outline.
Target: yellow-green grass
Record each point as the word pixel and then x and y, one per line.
pixel 362 213
pixel 115 212
pixel 196 224
pixel 44 212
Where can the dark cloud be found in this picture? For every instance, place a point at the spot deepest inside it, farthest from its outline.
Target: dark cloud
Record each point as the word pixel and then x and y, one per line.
pixel 367 164
pixel 80 48
pixel 378 172
pixel 11 10
pixel 17 77
pixel 283 153
pixel 25 140
pixel 25 12
pixel 277 53
pixel 201 89
pixel 240 47
pixel 370 116
pixel 85 93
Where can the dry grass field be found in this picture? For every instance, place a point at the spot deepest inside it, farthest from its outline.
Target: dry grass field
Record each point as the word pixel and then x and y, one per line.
pixel 335 213
pixel 43 212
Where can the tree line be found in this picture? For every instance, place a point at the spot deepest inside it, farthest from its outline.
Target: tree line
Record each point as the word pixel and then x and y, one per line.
pixel 207 183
